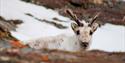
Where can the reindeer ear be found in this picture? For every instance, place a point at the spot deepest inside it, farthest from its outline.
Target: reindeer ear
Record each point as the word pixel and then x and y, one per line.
pixel 95 26
pixel 74 26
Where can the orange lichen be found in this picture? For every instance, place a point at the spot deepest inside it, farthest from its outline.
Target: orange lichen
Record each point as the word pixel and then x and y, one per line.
pixel 44 58
pixel 17 44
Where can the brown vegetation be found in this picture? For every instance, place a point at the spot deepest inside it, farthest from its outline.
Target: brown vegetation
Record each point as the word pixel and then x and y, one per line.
pixel 15 55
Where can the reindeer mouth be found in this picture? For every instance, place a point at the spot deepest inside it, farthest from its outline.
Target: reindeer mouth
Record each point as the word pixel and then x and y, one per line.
pixel 84 44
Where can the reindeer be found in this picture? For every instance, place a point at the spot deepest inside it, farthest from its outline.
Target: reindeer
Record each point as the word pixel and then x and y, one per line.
pixel 79 41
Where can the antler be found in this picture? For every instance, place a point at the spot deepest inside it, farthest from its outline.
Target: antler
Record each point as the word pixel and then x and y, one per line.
pixel 74 17
pixel 94 19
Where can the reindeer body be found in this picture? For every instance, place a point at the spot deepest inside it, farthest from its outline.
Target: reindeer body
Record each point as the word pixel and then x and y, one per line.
pixel 62 42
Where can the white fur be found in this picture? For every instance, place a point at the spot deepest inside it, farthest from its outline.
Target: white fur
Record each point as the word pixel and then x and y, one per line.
pixel 62 42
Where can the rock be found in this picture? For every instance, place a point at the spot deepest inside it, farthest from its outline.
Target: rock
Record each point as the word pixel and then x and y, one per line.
pixel 6 26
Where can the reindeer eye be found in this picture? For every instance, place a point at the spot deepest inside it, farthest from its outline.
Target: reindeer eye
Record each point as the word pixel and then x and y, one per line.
pixel 91 32
pixel 77 32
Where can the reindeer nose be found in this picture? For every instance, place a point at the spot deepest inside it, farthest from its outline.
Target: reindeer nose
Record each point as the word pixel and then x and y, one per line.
pixel 84 44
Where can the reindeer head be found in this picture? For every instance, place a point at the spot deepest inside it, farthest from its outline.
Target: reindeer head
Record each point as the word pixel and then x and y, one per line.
pixel 83 30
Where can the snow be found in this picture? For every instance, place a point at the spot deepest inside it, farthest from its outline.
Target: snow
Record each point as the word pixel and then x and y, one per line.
pixel 108 37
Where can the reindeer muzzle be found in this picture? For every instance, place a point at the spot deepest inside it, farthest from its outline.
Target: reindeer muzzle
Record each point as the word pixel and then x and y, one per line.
pixel 84 44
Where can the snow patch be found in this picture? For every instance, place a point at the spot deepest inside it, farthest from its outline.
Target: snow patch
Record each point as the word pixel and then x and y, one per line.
pixel 109 38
